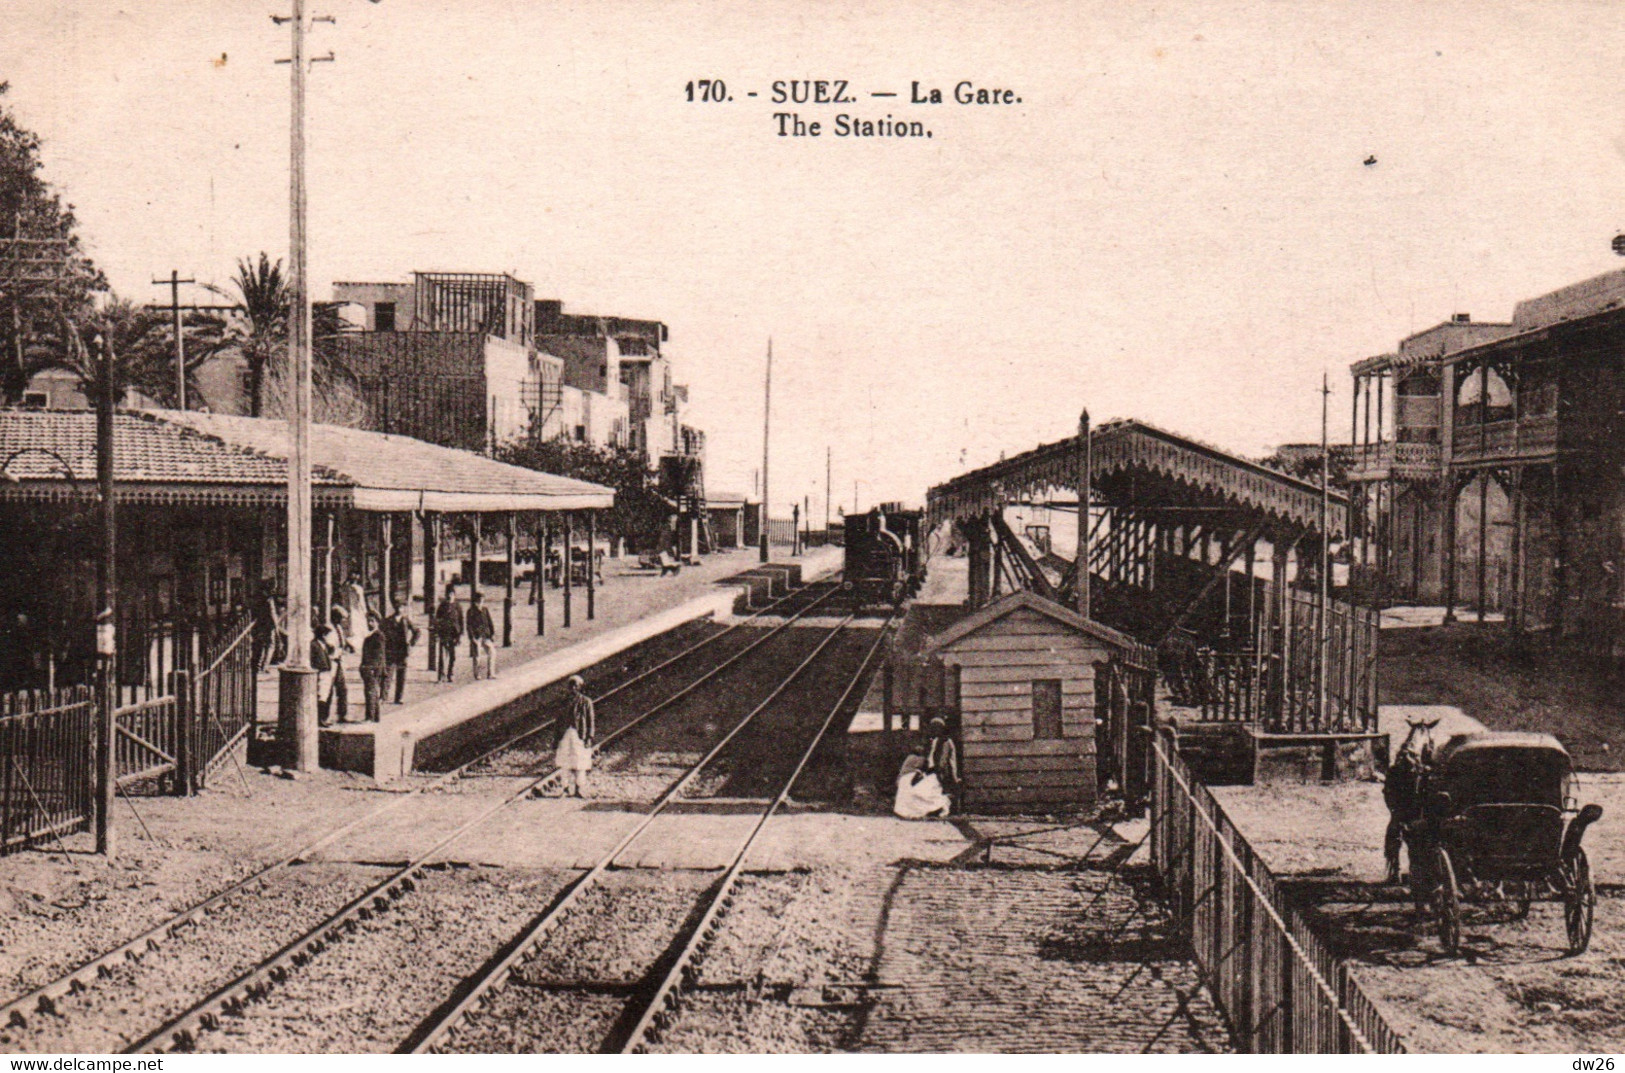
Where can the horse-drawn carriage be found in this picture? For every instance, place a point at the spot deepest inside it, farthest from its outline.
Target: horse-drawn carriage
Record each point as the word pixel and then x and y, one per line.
pixel 1496 820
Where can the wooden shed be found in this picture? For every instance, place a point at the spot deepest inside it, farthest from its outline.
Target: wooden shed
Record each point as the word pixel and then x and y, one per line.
pixel 1023 672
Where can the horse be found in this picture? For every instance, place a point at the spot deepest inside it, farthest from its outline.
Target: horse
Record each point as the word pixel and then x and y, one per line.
pixel 1406 788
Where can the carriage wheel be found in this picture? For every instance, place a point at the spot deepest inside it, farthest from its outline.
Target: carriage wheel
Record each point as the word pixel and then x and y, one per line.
pixel 1447 900
pixel 1579 903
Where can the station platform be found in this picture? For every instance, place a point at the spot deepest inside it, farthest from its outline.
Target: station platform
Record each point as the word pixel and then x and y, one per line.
pixel 632 606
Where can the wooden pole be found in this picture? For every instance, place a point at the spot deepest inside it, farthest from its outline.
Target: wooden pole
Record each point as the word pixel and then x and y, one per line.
pixel 592 565
pixel 1483 539
pixel 106 617
pixel 1085 464
pixel 513 570
pixel 569 567
pixel 767 415
pixel 829 461
pixel 296 704
pixel 1325 549
pixel 431 557
pixel 327 572
pixel 544 554
pixel 386 587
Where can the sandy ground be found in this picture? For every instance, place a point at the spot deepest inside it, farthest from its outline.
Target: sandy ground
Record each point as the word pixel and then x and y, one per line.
pixel 1513 988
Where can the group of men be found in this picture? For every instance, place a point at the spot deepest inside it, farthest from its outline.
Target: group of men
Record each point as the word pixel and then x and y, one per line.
pixel 447 629
pixel 385 644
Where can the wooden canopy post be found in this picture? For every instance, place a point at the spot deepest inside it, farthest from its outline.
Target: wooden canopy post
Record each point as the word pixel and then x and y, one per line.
pixel 473 560
pixel 1514 607
pixel 544 553
pixel 569 541
pixel 431 559
pixel 1483 539
pixel 1449 487
pixel 513 569
pixel 386 588
pixel 326 616
pixel 592 565
pixel 1085 493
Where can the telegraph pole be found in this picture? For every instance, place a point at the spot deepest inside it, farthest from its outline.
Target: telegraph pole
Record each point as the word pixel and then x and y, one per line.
pixel 1086 477
pixel 828 456
pixel 106 622
pixel 767 415
pixel 1325 546
pixel 175 282
pixel 296 703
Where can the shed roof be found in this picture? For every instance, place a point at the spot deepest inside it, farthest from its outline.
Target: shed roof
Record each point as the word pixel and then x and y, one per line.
pixel 185 456
pixel 1133 455
pixel 1031 601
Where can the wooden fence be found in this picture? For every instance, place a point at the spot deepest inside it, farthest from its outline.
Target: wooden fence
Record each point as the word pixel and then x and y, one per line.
pixel 1279 987
pixel 46 742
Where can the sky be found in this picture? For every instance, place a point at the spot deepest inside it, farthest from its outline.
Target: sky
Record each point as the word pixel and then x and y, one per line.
pixel 1175 223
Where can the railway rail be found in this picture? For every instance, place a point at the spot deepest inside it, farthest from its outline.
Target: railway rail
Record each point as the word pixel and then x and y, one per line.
pixel 650 1008
pixel 49 998
pixel 184 1030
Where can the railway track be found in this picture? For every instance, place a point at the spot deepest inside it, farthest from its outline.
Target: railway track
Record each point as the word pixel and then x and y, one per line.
pixel 648 1004
pixel 54 998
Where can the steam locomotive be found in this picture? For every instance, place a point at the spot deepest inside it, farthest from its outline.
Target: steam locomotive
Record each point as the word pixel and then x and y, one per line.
pixel 885 553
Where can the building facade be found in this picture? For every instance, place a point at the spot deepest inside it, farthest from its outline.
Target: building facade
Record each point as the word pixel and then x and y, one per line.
pixel 474 360
pixel 1490 466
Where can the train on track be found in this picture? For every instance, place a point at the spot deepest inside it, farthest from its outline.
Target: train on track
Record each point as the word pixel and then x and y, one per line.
pixel 885 553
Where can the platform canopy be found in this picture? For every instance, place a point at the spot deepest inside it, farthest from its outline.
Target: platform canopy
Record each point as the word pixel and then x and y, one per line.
pixel 1137 465
pixel 171 456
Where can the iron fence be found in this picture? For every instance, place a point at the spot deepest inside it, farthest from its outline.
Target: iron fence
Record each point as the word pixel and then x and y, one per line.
pixel 46 740
pixel 1278 985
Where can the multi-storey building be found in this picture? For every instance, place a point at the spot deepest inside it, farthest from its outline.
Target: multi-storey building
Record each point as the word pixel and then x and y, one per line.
pixel 474 360
pixel 1491 465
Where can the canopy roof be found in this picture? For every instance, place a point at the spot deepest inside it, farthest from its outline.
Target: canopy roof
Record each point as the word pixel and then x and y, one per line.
pixel 1139 465
pixel 188 457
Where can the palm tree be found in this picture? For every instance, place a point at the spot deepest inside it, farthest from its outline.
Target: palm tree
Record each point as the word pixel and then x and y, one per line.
pixel 263 299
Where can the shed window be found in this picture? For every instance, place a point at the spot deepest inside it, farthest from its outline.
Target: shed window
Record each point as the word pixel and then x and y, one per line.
pixel 1046 708
pixel 383 317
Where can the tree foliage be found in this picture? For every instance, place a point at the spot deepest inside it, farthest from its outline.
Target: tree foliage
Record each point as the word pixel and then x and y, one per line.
pixel 123 346
pixel 259 332
pixel 641 515
pixel 44 273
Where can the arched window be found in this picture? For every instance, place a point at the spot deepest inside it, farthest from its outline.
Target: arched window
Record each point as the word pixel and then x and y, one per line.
pixel 1483 396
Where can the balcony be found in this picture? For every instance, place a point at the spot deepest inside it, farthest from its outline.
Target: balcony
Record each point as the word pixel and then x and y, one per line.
pixel 1527 438
pixel 1403 461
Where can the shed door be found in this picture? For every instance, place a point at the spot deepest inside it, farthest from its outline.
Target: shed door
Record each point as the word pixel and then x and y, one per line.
pixel 1046 708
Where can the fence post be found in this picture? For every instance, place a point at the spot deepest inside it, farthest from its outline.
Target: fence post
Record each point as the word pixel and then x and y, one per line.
pixel 180 686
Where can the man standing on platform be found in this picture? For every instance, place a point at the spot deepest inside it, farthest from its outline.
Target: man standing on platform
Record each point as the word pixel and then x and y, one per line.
pixel 482 636
pixel 399 637
pixel 374 666
pixel 448 630
pixel 574 753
